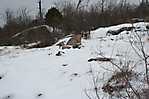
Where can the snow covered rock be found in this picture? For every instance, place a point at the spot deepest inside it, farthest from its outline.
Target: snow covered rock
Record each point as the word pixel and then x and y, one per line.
pixel 35 37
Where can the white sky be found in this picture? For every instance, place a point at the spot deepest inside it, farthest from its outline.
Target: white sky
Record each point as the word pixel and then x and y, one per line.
pixel 30 4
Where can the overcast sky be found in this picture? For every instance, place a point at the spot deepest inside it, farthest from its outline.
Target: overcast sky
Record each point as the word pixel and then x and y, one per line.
pixel 30 4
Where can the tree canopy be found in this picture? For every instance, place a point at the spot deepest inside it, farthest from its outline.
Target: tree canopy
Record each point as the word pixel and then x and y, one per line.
pixel 53 17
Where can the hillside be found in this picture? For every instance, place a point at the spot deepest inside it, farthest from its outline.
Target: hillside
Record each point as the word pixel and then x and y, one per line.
pixel 39 74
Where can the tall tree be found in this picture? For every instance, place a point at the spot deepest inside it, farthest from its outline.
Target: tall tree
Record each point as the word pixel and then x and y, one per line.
pixel 40 9
pixel 23 17
pixel 53 18
pixel 102 4
pixel 82 4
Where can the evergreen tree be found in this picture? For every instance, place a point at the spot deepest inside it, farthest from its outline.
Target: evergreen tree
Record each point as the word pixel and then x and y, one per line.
pixel 53 18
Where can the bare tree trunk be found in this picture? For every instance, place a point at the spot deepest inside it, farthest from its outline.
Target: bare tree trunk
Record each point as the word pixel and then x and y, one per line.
pixel 78 4
pixel 83 3
pixel 102 5
pixel 40 11
pixel 9 16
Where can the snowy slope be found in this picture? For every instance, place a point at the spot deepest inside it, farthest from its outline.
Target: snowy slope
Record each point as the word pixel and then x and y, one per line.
pixel 40 74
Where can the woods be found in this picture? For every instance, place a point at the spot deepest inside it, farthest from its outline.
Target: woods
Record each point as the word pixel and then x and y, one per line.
pixel 73 17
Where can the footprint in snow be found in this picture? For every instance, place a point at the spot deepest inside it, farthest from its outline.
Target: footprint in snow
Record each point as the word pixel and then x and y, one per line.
pixel 64 65
pixel 74 75
pixel 11 96
pixel 1 76
pixel 50 54
pixel 39 95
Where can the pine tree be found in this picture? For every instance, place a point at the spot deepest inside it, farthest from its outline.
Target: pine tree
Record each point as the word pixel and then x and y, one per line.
pixel 53 18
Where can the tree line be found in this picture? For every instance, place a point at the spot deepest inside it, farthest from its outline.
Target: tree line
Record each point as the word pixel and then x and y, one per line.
pixel 74 17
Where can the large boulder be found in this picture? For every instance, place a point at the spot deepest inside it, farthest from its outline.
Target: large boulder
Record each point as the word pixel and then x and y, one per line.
pixel 71 41
pixel 75 40
pixel 39 36
pixel 116 32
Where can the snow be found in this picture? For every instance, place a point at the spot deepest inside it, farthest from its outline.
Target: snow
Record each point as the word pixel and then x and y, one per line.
pixel 50 29
pixel 33 44
pixel 65 40
pixel 26 73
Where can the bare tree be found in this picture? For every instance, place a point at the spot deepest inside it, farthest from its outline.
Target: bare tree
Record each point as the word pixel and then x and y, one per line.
pixel 23 17
pixel 102 5
pixel 8 16
pixel 82 4
pixel 140 50
pixel 40 9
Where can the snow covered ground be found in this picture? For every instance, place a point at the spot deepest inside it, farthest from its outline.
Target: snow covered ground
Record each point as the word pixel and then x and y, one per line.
pixel 40 74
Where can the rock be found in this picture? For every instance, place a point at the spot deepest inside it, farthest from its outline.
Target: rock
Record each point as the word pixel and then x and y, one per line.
pixel 100 59
pixel 86 35
pixel 40 34
pixel 76 46
pixel 147 27
pixel 59 53
pixel 116 32
pixel 60 44
pixel 66 47
pixel 75 40
pixel 135 20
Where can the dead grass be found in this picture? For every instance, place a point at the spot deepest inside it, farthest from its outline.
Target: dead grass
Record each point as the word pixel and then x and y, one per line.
pixel 117 82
